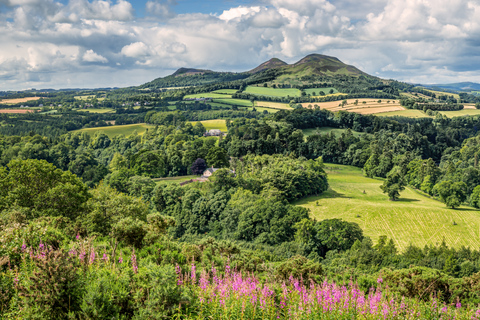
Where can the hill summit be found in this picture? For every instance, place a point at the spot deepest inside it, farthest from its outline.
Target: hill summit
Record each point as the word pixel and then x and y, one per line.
pixel 270 64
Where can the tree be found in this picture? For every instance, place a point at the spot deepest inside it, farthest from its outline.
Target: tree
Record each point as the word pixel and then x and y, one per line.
pixel 217 157
pixel 475 197
pixel 393 184
pixel 198 166
pixel 451 193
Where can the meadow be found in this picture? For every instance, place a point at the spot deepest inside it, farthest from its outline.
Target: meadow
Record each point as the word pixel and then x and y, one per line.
pixel 264 91
pixel 316 91
pixel 413 219
pixel 207 95
pixel 126 130
pixel 411 113
pixel 172 180
pixel 237 102
pixel 97 110
pixel 273 105
pixel 213 124
pixel 459 113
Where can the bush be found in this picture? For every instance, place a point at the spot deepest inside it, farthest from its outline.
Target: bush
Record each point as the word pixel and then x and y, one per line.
pixel 130 231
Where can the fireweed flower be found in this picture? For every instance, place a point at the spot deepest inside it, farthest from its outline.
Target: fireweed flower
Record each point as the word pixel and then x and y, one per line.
pixel 77 236
pixel 134 262
pixel 120 260
pixel 24 246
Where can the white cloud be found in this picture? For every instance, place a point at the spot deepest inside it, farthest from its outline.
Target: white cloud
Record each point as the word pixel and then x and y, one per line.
pixel 92 56
pixel 43 40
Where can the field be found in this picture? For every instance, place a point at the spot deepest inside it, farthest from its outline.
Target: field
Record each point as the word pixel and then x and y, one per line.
pixel 207 95
pixel 318 90
pixel 464 112
pixel 273 105
pixel 226 91
pixel 261 109
pixel 213 124
pixel 84 98
pixel 238 102
pixel 171 180
pixel 97 110
pixel 362 106
pixel 126 130
pixel 325 130
pixel 411 113
pixel 18 100
pixel 414 219
pixel 262 91
pixel 16 110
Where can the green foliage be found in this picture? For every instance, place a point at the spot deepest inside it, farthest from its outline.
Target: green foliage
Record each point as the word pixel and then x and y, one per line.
pixel 130 231
pixel 217 157
pixel 393 184
pixel 52 289
pixel 475 197
pixel 451 193
pixel 43 189
pixel 300 268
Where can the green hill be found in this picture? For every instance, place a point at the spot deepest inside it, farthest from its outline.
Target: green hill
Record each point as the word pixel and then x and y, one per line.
pixel 414 219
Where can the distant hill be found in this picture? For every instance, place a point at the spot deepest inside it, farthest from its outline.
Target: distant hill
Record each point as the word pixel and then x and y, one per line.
pixel 311 65
pixel 270 64
pixel 459 86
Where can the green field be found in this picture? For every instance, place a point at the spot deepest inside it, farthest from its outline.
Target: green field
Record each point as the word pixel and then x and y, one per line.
pixel 325 130
pixel 226 91
pixel 97 110
pixel 464 112
pixel 262 91
pixel 171 180
pixel 213 124
pixel 261 109
pixel 273 105
pixel 207 95
pixel 126 130
pixel 411 113
pixel 318 90
pixel 414 219
pixel 238 102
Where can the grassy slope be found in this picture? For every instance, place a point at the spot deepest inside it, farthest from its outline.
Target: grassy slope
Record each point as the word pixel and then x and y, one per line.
pixel 411 113
pixel 317 91
pixel 213 124
pixel 97 110
pixel 413 219
pixel 126 130
pixel 464 112
pixel 272 92
pixel 208 95
pixel 171 180
pixel 238 102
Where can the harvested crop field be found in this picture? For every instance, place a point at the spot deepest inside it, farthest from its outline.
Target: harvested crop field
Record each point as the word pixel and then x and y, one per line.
pixel 273 105
pixel 18 100
pixel 362 106
pixel 16 110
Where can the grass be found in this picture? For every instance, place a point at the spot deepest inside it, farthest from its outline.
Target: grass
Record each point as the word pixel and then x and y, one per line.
pixel 325 130
pixel 273 105
pixel 459 113
pixel 226 91
pixel 97 110
pixel 262 91
pixel 411 113
pixel 18 100
pixel 318 90
pixel 207 95
pixel 238 102
pixel 171 180
pixel 414 219
pixel 126 130
pixel 261 109
pixel 213 124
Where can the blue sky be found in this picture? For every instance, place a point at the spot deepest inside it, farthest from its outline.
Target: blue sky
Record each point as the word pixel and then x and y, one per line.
pixel 106 43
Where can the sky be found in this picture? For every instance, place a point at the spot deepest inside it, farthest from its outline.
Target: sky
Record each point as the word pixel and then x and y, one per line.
pixel 118 43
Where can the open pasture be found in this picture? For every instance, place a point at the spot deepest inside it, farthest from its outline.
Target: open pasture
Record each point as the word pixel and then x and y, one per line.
pixel 261 109
pixel 459 113
pixel 97 110
pixel 263 91
pixel 413 219
pixel 211 95
pixel 126 130
pixel 225 91
pixel 172 180
pixel 273 105
pixel 18 100
pixel 213 124
pixel 361 106
pixel 236 102
pixel 316 91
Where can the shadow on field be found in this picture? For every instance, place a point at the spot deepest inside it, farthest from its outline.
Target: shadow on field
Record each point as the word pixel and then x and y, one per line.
pixel 406 200
pixel 330 193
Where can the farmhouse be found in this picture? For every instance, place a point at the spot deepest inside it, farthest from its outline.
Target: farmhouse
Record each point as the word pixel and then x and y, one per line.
pixel 213 133
pixel 207 173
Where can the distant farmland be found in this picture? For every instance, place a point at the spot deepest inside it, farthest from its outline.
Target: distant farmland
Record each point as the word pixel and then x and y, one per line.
pixel 262 91
pixel 18 100
pixel 17 110
pixel 126 130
